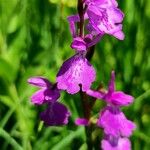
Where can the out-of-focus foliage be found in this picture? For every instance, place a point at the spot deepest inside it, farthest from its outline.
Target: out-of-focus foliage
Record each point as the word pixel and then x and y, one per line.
pixel 35 40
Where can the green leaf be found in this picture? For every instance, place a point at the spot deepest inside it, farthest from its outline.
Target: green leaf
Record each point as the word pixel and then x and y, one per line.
pixel 10 139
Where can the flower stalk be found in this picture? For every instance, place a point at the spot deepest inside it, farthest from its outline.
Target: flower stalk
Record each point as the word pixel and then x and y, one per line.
pixel 77 75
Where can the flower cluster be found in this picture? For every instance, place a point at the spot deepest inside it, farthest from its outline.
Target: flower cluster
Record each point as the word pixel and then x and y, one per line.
pixel 116 126
pixel 97 18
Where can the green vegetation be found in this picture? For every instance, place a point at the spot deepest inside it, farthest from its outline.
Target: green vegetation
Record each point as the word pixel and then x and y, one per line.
pixel 35 40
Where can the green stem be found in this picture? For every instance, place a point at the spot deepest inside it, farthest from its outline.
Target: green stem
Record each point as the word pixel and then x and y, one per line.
pixel 10 139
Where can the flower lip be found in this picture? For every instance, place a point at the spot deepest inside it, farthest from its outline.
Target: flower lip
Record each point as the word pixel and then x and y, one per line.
pixel 74 72
pixel 55 115
pixel 114 122
pixel 119 143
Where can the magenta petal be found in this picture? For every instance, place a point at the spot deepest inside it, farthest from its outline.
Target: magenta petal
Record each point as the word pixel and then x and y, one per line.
pixel 120 98
pixel 119 35
pixel 117 98
pixel 51 94
pixel 45 95
pixel 113 24
pixel 105 18
pixel 115 14
pixel 55 115
pixel 115 123
pixel 95 14
pixel 81 122
pixel 95 40
pixel 39 81
pixel 72 20
pixel 38 97
pixel 78 44
pixel 75 71
pixel 122 144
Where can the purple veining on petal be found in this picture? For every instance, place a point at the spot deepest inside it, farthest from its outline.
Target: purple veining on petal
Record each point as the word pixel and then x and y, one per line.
pixel 81 122
pixel 114 122
pixel 111 139
pixel 75 71
pixel 55 115
pixel 105 17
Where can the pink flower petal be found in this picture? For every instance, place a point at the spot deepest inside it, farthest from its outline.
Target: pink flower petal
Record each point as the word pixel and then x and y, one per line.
pixel 120 98
pixel 115 123
pixel 74 72
pixel 38 97
pixel 78 44
pixel 39 81
pixel 81 122
pixel 122 144
pixel 45 95
pixel 55 115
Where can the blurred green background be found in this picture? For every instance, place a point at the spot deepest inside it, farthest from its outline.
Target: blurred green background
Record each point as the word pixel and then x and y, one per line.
pixel 35 40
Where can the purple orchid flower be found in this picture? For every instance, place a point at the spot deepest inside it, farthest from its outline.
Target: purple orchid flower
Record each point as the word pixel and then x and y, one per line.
pixel 56 113
pixel 105 18
pixel 111 119
pixel 82 43
pixel 114 122
pixel 117 98
pixel 74 72
pixel 47 93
